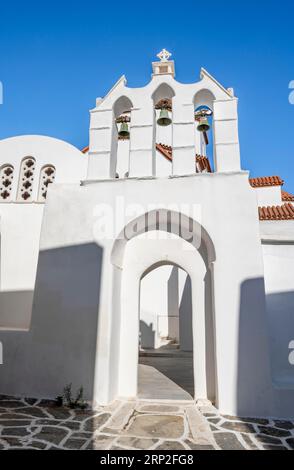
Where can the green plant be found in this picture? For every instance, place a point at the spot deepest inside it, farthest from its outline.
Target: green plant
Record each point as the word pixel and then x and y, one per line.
pixel 67 394
pixel 69 401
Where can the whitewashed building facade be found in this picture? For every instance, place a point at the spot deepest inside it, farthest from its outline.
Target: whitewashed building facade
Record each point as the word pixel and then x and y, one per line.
pixel 145 240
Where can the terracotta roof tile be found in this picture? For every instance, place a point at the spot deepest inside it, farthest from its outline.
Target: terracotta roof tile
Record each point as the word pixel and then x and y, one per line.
pixel 264 181
pixel 287 196
pixel 284 212
pixel 202 161
pixel 166 150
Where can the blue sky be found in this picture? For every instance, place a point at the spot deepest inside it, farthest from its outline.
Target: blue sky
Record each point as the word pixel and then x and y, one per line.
pixel 57 57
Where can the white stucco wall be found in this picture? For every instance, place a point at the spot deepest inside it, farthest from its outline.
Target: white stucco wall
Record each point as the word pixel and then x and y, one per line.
pixel 268 196
pixel 21 221
pixel 278 253
pixel 243 376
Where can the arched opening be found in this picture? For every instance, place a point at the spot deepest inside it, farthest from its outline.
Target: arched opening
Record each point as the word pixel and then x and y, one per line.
pixel 165 369
pixel 26 180
pixel 6 181
pixel 47 176
pixel 204 128
pixel 119 165
pixel 186 244
pixel 163 117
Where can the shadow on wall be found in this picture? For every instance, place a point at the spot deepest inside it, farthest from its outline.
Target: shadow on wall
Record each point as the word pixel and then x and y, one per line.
pixel 60 347
pixel 147 335
pixel 185 318
pixel 16 309
pixel 280 313
pixel 254 388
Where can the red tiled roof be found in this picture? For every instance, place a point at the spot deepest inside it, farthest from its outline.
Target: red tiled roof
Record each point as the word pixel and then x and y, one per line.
pixel 264 181
pixel 167 152
pixel 284 212
pixel 287 196
pixel 203 163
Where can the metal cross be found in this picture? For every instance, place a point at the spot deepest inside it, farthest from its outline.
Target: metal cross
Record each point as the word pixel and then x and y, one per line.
pixel 164 55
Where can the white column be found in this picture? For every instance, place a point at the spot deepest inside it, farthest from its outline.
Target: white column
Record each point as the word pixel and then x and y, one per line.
pixel 183 138
pixel 226 139
pixel 101 139
pixel 142 140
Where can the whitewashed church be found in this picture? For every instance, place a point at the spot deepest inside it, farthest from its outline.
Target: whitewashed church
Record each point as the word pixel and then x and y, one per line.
pixel 151 242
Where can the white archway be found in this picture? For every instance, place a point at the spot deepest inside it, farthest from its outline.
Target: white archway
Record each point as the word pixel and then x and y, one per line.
pixel 135 256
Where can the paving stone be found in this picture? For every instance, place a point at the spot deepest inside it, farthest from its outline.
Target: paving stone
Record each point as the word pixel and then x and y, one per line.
pixel 59 413
pixel 247 420
pixel 270 431
pixel 159 409
pixel 198 426
pixel 171 445
pixel 136 442
pixel 107 430
pixel 163 426
pixel 290 442
pixel 74 444
pixel 122 416
pixel 48 421
pixel 249 442
pixel 213 420
pixel 32 411
pixel 117 448
pixel 283 424
pixel 13 422
pixel 100 442
pixel 82 435
pixel 38 445
pixel 31 401
pixel 11 404
pixel 194 446
pixel 267 439
pixel 12 441
pixel 92 424
pixel 82 415
pixel 213 428
pixel 52 434
pixel 72 425
pixel 208 415
pixel 14 416
pixel 18 431
pixel 269 447
pixel 46 403
pixel 238 426
pixel 228 441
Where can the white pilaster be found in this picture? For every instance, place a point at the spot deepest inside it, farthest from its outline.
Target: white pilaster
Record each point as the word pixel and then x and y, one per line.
pixel 183 138
pixel 142 141
pixel 226 138
pixel 100 143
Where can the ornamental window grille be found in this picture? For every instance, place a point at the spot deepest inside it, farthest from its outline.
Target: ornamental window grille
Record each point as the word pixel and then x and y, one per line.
pixel 6 180
pixel 47 176
pixel 26 180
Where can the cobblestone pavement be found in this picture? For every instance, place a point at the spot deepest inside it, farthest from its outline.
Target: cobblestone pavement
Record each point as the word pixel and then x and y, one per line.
pixel 41 425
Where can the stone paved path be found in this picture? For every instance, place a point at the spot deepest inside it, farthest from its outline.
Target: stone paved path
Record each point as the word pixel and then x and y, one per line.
pixel 40 425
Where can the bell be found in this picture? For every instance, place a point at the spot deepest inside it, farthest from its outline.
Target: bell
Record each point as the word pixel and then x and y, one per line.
pixel 124 130
pixel 203 125
pixel 164 119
